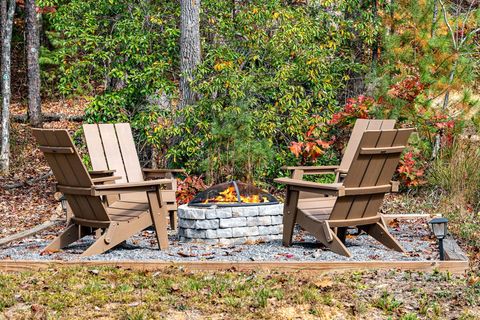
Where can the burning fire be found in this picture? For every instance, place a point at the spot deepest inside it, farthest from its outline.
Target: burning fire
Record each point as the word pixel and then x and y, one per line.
pixel 229 195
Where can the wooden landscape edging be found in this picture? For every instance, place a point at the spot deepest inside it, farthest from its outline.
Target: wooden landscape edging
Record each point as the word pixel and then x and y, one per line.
pixel 407 216
pixel 30 232
pixel 455 267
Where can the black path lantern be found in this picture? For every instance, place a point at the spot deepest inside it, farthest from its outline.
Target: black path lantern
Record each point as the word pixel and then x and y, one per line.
pixel 440 230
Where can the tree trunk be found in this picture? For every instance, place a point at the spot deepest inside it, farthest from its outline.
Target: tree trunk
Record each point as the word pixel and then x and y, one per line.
pixel 6 90
pixel 434 17
pixel 438 139
pixel 33 67
pixel 375 45
pixel 450 81
pixel 189 48
pixel 392 16
pixel 3 22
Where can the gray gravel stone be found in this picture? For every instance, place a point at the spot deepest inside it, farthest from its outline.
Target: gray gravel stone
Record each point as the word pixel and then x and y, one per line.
pixel 255 239
pixel 233 222
pixel 211 241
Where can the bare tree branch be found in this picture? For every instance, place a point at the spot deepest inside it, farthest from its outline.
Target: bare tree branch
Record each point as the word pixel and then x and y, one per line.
pixel 445 18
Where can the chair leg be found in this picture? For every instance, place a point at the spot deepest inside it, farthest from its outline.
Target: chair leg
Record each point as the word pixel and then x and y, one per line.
pixel 288 225
pixel 71 234
pixel 336 245
pixel 159 219
pixel 380 232
pixel 173 220
pixel 117 233
pixel 114 235
pixel 99 246
pixel 289 217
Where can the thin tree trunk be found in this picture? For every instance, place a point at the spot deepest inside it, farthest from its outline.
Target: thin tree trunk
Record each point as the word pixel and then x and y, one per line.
pixel 450 81
pixel 189 48
pixel 3 23
pixel 438 139
pixel 375 45
pixel 392 16
pixel 6 90
pixel 33 66
pixel 434 17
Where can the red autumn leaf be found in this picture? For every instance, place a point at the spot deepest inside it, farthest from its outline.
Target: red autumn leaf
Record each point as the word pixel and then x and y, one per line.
pixel 296 148
pixel 310 131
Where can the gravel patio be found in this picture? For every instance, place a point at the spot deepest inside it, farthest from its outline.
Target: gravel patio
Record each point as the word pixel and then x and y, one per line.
pixel 413 234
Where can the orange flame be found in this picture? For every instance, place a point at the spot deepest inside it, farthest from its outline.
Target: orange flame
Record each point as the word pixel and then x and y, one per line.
pixel 229 195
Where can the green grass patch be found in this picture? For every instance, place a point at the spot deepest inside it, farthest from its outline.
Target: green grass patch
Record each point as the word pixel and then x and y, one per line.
pixel 75 293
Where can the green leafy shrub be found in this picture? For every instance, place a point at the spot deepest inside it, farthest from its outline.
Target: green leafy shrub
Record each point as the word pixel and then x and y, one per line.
pixel 270 73
pixel 270 70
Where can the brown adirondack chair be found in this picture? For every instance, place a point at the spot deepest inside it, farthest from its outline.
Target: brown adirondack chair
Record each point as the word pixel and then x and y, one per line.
pixel 110 223
pixel 340 171
pixel 355 202
pixel 111 147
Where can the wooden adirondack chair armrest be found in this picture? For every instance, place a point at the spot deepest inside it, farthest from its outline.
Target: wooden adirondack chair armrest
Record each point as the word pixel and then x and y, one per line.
pixel 119 188
pixel 101 173
pixel 103 180
pixel 395 186
pixel 163 170
pixel 312 169
pixel 334 189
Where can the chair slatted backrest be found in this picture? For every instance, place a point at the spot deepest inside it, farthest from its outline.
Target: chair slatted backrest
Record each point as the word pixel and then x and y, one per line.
pixel 361 125
pixel 111 147
pixel 69 170
pixel 374 164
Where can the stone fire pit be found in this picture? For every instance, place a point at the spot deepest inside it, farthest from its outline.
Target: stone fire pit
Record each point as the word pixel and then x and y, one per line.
pixel 230 225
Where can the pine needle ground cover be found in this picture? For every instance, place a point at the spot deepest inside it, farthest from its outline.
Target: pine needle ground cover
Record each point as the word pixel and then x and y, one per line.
pixel 85 293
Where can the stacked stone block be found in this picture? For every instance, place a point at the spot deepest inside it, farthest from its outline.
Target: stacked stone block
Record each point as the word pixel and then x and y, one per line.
pixel 230 225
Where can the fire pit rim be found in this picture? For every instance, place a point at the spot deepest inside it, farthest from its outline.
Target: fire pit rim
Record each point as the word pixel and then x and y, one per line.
pixel 239 203
pixel 230 205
